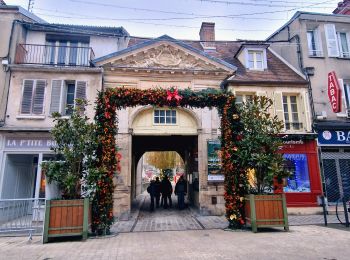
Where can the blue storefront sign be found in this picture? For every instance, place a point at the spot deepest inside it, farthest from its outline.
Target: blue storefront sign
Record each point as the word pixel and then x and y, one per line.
pixel 334 137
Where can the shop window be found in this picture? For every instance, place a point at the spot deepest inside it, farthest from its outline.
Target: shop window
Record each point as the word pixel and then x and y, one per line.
pixel 297 166
pixel 291 113
pixel 314 43
pixel 165 117
pixel 64 93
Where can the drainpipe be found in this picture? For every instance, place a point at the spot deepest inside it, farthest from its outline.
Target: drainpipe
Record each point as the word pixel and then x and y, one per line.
pixel 307 72
pixel 7 82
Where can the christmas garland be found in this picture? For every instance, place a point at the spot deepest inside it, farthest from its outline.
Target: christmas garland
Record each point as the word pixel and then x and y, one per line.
pixel 106 121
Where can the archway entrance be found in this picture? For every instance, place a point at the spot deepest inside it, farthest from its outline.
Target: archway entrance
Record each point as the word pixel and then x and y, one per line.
pixel 185 146
pixel 164 129
pixel 235 184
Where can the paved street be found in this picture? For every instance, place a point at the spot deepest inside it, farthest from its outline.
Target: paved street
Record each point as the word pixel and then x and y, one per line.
pixel 187 235
pixel 302 242
pixel 142 220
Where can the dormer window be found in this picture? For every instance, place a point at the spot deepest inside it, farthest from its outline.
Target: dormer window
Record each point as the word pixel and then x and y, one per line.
pixel 256 59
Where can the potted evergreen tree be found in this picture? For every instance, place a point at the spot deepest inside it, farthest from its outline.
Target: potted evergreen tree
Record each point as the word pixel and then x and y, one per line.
pixel 259 153
pixel 70 213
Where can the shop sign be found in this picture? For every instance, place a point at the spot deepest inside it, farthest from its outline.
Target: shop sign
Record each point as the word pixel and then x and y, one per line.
pixel 20 143
pixel 214 161
pixel 334 92
pixel 334 137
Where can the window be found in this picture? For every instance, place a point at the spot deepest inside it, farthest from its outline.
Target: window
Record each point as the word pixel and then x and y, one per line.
pixel 63 52
pixel 33 97
pixel 291 114
pixel 314 43
pixel 165 116
pixel 346 86
pixel 64 93
pixel 297 166
pixel 256 59
pixel 343 41
pixel 243 98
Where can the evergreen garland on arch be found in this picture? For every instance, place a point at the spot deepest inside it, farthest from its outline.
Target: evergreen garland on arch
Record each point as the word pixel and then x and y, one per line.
pixel 106 121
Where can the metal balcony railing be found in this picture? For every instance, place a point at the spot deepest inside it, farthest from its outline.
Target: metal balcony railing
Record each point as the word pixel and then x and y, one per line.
pixel 54 55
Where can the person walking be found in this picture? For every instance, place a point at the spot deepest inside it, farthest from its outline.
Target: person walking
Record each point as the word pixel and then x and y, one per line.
pixel 157 189
pixel 151 190
pixel 167 190
pixel 180 191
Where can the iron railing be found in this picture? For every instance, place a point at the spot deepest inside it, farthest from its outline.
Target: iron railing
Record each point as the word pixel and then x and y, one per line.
pixel 22 216
pixel 54 55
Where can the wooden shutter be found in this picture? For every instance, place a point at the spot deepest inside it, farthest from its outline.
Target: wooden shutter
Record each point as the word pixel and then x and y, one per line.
pixel 38 99
pixel 278 104
pixel 27 96
pixel 305 111
pixel 332 40
pixel 80 93
pixel 56 90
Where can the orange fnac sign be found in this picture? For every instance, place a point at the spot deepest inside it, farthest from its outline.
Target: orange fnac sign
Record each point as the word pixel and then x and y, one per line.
pixel 334 92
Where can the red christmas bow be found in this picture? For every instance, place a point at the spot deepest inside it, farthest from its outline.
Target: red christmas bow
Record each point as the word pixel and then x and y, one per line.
pixel 173 95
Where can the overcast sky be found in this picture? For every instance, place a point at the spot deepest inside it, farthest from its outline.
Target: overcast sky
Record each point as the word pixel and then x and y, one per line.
pixel 234 19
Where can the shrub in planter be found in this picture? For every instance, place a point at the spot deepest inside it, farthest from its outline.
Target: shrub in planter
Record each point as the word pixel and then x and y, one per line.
pixel 258 153
pixel 75 150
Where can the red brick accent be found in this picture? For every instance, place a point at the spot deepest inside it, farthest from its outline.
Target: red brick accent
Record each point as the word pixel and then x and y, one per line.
pixel 343 8
pixel 207 32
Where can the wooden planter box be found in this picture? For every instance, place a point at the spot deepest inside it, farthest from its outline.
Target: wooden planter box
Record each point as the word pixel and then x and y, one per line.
pixel 67 218
pixel 266 211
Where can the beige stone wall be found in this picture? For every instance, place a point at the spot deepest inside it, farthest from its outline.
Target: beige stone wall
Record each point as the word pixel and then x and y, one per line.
pixel 270 91
pixel 13 116
pixel 18 36
pixel 323 65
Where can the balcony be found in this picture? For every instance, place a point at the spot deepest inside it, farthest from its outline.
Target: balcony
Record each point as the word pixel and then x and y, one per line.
pixel 54 55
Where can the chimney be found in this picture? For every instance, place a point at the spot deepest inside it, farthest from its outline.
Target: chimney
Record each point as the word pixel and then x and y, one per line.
pixel 343 8
pixel 207 36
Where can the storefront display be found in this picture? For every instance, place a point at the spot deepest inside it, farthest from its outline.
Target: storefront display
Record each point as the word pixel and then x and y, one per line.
pixel 297 166
pixel 304 183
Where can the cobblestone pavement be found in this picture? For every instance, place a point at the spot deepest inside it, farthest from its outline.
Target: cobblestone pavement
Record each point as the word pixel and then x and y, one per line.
pixel 142 220
pixel 302 242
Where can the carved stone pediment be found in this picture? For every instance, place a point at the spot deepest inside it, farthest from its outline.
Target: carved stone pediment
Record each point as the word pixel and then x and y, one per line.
pixel 165 57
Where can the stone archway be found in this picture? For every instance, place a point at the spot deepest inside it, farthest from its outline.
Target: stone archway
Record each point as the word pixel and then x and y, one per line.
pixel 231 128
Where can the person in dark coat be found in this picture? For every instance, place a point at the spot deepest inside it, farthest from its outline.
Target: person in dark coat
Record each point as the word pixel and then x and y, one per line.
pixel 151 189
pixel 180 191
pixel 167 190
pixel 157 186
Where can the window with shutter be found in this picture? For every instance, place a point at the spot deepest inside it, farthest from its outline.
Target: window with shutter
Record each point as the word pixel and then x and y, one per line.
pixel 33 97
pixel 291 112
pixel 332 41
pixel 39 96
pixel 314 43
pixel 80 93
pixel 56 90
pixel 27 97
pixel 278 105
pixel 344 48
